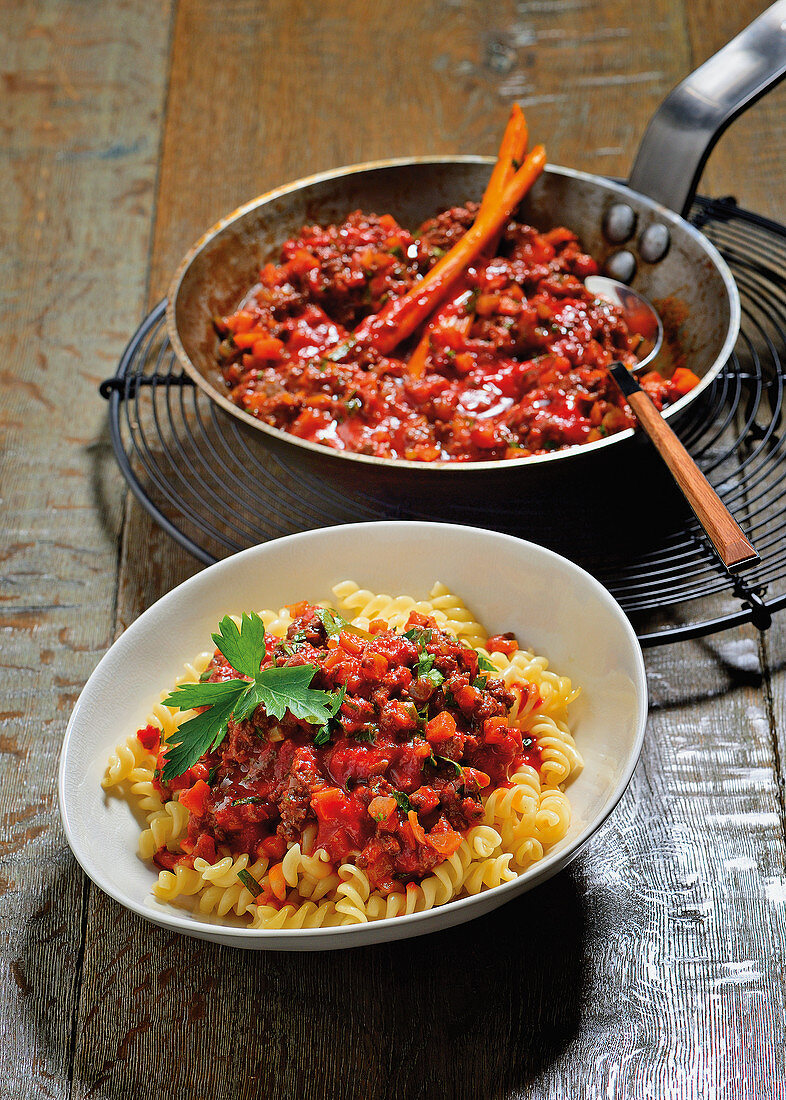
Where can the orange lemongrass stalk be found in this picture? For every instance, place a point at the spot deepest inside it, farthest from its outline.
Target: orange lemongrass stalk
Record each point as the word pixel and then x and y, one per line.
pixel 511 152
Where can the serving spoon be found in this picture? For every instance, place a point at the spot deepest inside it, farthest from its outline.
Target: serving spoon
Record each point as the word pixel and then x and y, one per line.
pixel 725 534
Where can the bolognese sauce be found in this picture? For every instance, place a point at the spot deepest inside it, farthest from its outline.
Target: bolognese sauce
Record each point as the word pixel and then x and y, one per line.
pixel 514 365
pixel 395 779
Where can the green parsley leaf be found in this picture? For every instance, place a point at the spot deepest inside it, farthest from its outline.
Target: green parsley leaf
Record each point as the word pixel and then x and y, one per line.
pixel 186 696
pixel 277 689
pixel 486 665
pixel 402 801
pixel 197 736
pixel 334 622
pixel 250 801
pixel 211 777
pixel 244 648
pixel 480 682
pixel 286 688
pixel 250 883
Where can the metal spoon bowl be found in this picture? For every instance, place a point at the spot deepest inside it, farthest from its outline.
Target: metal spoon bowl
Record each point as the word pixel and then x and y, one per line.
pixel 639 314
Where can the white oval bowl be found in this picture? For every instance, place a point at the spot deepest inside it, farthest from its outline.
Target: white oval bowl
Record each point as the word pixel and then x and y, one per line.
pixel 552 606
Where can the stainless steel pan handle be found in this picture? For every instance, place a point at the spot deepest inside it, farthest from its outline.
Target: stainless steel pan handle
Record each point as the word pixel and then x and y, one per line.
pixel 690 120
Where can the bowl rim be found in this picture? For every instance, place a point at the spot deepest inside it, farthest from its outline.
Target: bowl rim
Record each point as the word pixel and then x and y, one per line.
pixel 201 925
pixel 437 468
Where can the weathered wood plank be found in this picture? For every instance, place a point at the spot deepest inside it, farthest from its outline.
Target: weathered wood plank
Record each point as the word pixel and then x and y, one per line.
pixel 663 934
pixel 78 160
pixel 668 978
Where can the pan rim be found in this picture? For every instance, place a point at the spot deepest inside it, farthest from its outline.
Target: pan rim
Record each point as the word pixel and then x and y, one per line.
pixel 439 468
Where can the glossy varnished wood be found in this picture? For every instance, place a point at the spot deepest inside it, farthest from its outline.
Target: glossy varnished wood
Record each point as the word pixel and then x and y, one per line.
pixel 654 965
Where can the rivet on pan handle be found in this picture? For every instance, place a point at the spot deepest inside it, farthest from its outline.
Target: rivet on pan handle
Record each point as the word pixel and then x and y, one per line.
pixel 693 116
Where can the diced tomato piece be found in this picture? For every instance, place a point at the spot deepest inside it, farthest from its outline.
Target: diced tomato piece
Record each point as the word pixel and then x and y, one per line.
pixel 377 626
pixel 274 847
pixel 195 798
pixel 351 643
pixel 165 859
pixel 205 848
pixel 149 738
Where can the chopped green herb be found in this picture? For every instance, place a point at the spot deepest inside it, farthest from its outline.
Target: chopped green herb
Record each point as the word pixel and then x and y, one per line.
pixel 436 761
pixel 486 664
pixel 206 675
pixel 472 301
pixel 367 733
pixel 211 777
pixel 402 801
pixel 251 800
pixel 324 733
pixel 340 350
pixel 397 250
pixel 277 689
pixel 250 883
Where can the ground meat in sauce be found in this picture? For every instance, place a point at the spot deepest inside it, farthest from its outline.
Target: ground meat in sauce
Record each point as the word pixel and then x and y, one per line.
pixel 420 734
pixel 527 376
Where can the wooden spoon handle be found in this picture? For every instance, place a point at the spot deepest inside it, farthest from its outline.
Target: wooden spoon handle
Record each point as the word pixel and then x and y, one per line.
pixel 722 528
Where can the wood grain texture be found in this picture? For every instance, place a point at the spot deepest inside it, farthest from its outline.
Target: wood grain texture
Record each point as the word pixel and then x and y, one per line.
pixel 77 173
pixel 653 967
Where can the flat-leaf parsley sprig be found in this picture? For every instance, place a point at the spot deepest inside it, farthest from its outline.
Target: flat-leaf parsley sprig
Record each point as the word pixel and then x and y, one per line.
pixel 278 689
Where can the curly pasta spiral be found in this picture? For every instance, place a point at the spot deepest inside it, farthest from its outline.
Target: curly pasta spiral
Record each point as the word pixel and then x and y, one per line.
pixel 352 892
pixel 304 915
pixel 183 881
pixel 127 758
pixel 164 827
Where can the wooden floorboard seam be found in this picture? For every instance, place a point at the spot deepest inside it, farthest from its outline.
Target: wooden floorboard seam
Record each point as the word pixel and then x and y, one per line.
pixel 147 304
pixel 769 704
pixel 79 967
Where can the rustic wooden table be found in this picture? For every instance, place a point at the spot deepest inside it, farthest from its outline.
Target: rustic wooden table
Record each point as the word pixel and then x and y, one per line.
pixel 652 967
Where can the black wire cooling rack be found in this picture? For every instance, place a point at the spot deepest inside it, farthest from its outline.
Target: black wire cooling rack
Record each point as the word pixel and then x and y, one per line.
pixel 210 483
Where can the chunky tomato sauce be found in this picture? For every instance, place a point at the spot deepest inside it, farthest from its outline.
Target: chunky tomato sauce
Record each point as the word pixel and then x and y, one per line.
pixel 515 363
pixel 396 779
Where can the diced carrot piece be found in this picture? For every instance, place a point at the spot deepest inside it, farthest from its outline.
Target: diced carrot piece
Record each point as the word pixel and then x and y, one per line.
pixel 350 642
pixel 445 843
pixel 417 828
pixel 277 882
pixel 502 643
pixel 441 728
pixel 268 347
pixel 684 380
pixel 381 807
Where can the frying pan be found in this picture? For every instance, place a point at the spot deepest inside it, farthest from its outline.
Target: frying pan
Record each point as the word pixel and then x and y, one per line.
pixel 636 231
